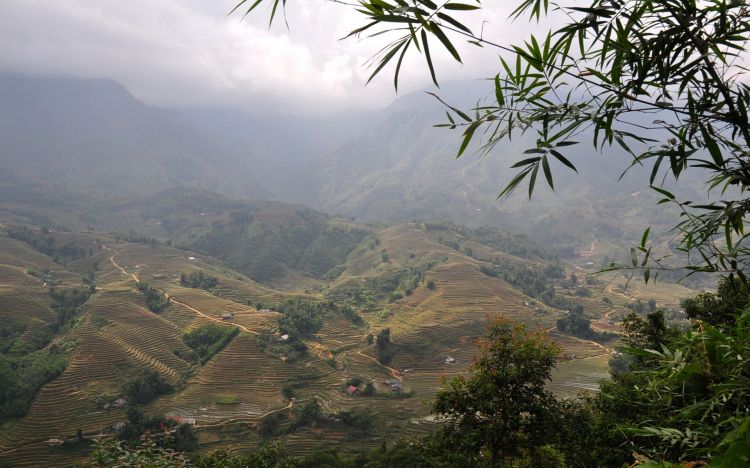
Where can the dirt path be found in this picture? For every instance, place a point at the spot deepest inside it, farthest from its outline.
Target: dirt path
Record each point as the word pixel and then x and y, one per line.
pixel 14 449
pixel 582 340
pixel 176 301
pixel 235 420
pixel 396 374
pixel 223 322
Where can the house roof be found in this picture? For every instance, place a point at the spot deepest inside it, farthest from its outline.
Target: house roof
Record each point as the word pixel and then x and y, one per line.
pixel 351 389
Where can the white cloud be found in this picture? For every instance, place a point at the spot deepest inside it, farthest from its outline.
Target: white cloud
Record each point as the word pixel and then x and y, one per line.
pixel 189 53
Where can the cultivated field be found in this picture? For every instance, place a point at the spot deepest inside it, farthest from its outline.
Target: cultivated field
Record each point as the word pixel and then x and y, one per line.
pixel 433 334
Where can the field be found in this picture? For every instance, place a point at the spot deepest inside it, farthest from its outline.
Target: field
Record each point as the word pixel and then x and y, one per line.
pixel 433 336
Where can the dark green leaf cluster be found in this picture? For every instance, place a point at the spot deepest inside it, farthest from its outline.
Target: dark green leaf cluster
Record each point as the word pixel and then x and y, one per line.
pixel 156 301
pixel 300 317
pixel 45 243
pixel 146 386
pixel 208 340
pixel 199 280
pixel 21 377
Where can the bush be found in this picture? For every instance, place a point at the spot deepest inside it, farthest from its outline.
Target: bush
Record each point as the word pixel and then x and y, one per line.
pixel 145 387
pixel 199 280
pixel 156 301
pixel 301 317
pixel 208 340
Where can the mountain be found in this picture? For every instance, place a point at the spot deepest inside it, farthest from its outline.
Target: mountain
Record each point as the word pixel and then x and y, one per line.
pixel 401 167
pixel 89 141
pixel 92 136
pixel 75 136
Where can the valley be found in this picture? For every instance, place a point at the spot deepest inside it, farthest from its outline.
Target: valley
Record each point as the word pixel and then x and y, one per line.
pixel 432 285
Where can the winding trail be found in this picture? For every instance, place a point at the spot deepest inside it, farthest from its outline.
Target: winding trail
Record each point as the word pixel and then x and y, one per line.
pixel 235 420
pixel 176 301
pixel 223 322
pixel 396 374
pixel 583 340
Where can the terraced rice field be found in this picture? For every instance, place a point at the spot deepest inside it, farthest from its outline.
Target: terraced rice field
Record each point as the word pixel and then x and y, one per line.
pixel 118 336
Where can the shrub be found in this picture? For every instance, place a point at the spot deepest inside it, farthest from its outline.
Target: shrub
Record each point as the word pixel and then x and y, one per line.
pixel 145 387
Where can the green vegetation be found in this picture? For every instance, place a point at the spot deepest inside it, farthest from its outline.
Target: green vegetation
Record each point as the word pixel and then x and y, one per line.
pixel 22 377
pixel 501 409
pixel 208 340
pixel 156 301
pixel 199 280
pixel 160 434
pixel 27 359
pixel 146 386
pixel 533 282
pixel 265 250
pixel 228 400
pixel 577 324
pixel 351 315
pixel 45 243
pixel 66 304
pixel 383 346
pixel 359 420
pixel 300 318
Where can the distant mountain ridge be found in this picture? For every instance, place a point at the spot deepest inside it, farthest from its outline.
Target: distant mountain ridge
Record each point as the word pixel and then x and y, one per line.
pixel 91 140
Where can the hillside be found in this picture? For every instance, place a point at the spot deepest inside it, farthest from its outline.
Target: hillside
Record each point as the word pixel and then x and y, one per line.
pixel 433 286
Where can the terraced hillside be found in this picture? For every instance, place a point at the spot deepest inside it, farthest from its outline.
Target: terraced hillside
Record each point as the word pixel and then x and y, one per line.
pixel 427 287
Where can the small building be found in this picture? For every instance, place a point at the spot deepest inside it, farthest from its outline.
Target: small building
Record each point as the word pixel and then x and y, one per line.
pixel 394 385
pixel 352 390
pixel 182 419
pixel 284 337
pixel 118 426
pixel 227 316
pixel 120 402
pixel 55 442
pixel 450 360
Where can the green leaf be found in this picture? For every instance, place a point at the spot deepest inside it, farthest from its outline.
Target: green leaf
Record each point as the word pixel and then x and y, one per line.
pixel 426 48
pixel 437 32
pixel 468 134
pixel 547 173
pixel 459 6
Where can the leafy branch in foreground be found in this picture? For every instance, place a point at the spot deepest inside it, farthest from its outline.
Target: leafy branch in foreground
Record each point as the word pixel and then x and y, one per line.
pixel 661 80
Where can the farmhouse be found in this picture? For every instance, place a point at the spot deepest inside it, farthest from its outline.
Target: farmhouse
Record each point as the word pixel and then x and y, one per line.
pixel 182 420
pixel 227 316
pixel 120 402
pixel 118 426
pixel 450 360
pixel 352 390
pixel 55 442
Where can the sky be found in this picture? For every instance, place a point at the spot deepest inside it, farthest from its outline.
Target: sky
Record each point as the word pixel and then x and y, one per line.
pixel 190 53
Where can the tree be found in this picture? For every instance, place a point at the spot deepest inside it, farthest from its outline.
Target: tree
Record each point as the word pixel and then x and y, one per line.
pixel 384 338
pixel 660 80
pixel 146 386
pixel 502 406
pixel 383 344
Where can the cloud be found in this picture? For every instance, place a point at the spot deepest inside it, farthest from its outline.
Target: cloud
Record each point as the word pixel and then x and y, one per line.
pixel 187 53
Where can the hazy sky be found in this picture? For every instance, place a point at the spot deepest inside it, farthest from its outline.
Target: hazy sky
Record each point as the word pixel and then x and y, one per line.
pixel 188 53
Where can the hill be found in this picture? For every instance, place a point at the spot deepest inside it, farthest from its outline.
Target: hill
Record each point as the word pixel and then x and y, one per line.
pixel 74 143
pixel 428 288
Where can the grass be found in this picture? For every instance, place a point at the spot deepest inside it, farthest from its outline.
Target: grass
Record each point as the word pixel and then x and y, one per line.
pixel 228 400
